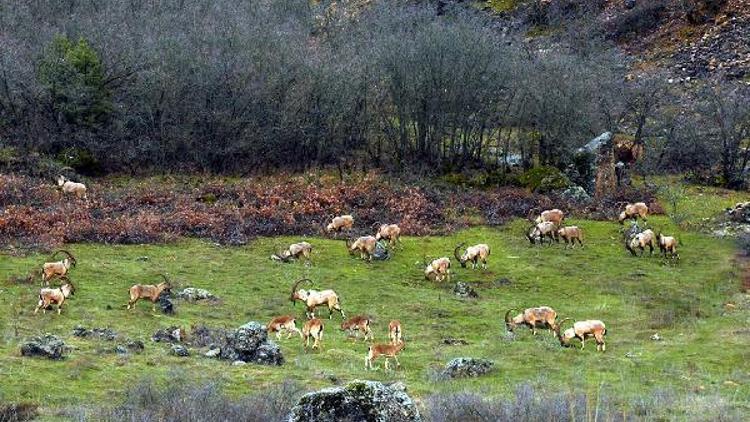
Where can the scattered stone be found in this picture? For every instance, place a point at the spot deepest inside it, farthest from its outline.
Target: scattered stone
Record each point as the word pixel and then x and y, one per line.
pixel 165 302
pixel 47 346
pixel 467 367
pixel 357 401
pixel 503 281
pixel 212 353
pixel 239 363
pixel 250 343
pixel 381 252
pixel 121 350
pixel 179 350
pixel 136 346
pixel 142 258
pixel 193 294
pixel 576 193
pixel 465 290
pixel 450 341
pixel 101 333
pixel 656 337
pixel 172 334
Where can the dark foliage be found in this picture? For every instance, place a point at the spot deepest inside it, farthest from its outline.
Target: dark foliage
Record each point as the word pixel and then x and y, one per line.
pixel 645 16
pixel 12 412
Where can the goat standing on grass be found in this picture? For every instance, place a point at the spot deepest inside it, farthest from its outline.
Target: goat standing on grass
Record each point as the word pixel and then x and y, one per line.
pixel 389 232
pixel 283 323
pixel 540 231
pixel 340 223
pixel 475 254
pixel 554 216
pixel 667 244
pixel 51 270
pixel 570 234
pixel 314 298
pixel 438 270
pixel 312 328
pixel 543 316
pixel 149 292
pixel 394 331
pixel 356 325
pixel 294 251
pixel 640 241
pixel 365 245
pixel 582 330
pixel 385 350
pixel 638 209
pixel 57 296
pixel 68 187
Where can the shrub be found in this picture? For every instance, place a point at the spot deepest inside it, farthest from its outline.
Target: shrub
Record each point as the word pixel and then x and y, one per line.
pixel 12 412
pixel 646 15
pixel 544 179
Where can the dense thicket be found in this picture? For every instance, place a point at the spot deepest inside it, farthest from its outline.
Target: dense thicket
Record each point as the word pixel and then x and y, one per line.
pixel 241 86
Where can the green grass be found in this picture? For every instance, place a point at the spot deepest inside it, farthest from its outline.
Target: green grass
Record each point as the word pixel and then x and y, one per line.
pixel 636 297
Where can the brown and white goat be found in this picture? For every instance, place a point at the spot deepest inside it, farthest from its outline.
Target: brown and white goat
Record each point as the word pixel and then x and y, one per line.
pixel 385 350
pixel 543 316
pixel 356 325
pixel 582 330
pixel 640 241
pixel 389 232
pixel 68 187
pixel 340 223
pixel 313 298
pixel 283 323
pixel 638 209
pixel 667 244
pixel 475 254
pixel 57 296
pixel 554 216
pixel 542 230
pixel 570 235
pixel 294 251
pixel 394 331
pixel 312 328
pixel 148 292
pixel 438 270
pixel 365 245
pixel 51 270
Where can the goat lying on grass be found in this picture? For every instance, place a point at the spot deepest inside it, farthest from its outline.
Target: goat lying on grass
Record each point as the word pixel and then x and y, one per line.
pixel 56 296
pixel 294 251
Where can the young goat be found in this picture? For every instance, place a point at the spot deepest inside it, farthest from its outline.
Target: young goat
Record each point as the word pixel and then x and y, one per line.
pixel 51 270
pixel 543 316
pixel 356 325
pixel 667 244
pixel 283 323
pixel 570 234
pixel 581 330
pixel 389 232
pixel 312 328
pixel 394 331
pixel 474 254
pixel 438 270
pixel 640 241
pixel 638 209
pixel 554 216
pixel 340 223
pixel 314 298
pixel 47 296
pixel 68 187
pixel 148 292
pixel 540 231
pixel 294 251
pixel 385 350
pixel 365 245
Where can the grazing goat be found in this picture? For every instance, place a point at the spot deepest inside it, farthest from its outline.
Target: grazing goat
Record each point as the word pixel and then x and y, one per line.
pixel 543 316
pixel 312 328
pixel 365 245
pixel 51 270
pixel 638 209
pixel 570 234
pixel 389 232
pixel 438 270
pixel 283 323
pixel 640 241
pixel 581 330
pixel 542 230
pixel 667 244
pixel 314 298
pixel 394 331
pixel 148 292
pixel 339 223
pixel 57 296
pixel 356 325
pixel 68 187
pixel 385 350
pixel 554 216
pixel 474 254
pixel 294 251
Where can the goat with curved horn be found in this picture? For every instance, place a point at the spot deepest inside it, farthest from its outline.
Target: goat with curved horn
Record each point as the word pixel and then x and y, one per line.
pixel 149 292
pixel 475 254
pixel 314 298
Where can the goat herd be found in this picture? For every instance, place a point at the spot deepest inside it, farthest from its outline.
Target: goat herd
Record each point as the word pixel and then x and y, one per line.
pixel 547 225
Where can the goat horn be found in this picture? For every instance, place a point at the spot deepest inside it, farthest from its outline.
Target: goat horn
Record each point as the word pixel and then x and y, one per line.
pixel 294 287
pixel 70 255
pixel 559 324
pixel 166 280
pixel 507 314
pixel 455 251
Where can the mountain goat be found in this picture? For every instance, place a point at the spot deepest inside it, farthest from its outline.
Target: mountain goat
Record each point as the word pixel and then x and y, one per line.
pixel 356 325
pixel 389 232
pixel 667 244
pixel 340 223
pixel 582 330
pixel 365 245
pixel 543 316
pixel 474 254
pixel 438 270
pixel 540 231
pixel 638 209
pixel 313 298
pixel 283 323
pixel 57 296
pixel 385 350
pixel 570 234
pixel 294 251
pixel 68 187
pixel 51 270
pixel 312 328
pixel 148 291
pixel 640 241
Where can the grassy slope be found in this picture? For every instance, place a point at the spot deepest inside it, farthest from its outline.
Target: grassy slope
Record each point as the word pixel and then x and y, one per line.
pixel 635 297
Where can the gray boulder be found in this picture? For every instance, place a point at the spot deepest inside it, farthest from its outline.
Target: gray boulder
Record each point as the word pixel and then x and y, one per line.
pixel 100 333
pixel 165 302
pixel 179 350
pixel 47 346
pixel 357 401
pixel 173 334
pixel 250 343
pixel 576 193
pixel 465 290
pixel 193 294
pixel 467 367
